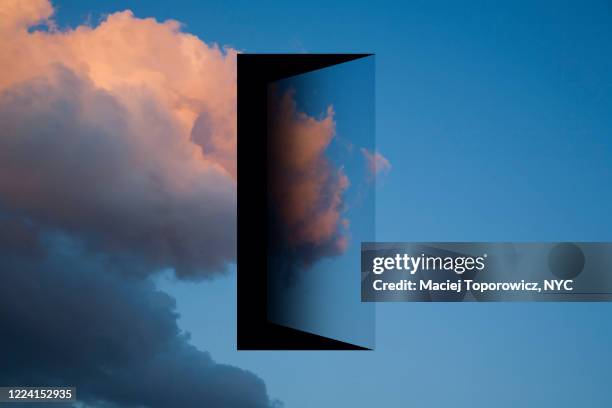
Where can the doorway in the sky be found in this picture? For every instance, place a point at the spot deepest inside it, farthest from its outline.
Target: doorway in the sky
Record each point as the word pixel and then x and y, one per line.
pixel 320 200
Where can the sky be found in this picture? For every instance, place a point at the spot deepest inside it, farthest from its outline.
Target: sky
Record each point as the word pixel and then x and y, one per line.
pixel 496 120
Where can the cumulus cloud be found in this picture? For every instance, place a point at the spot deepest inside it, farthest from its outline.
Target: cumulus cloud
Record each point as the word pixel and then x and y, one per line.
pixel 17 15
pixel 137 61
pixel 117 159
pixel 73 160
pixel 72 318
pixel 306 188
pixel 122 133
pixel 376 163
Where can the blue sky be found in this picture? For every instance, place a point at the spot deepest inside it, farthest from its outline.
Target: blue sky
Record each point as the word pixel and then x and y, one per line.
pixel 497 121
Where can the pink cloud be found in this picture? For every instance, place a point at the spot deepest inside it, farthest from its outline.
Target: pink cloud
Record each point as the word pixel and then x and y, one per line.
pixel 123 134
pixel 376 163
pixel 306 186
pixel 137 61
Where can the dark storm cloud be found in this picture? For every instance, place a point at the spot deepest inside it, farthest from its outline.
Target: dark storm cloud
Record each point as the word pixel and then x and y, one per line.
pixel 72 318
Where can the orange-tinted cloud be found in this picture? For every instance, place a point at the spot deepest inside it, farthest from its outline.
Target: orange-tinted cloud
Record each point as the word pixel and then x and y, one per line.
pixel 123 134
pixel 19 15
pixel 305 186
pixel 137 61
pixel 376 163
